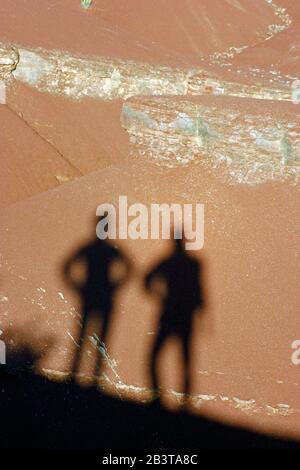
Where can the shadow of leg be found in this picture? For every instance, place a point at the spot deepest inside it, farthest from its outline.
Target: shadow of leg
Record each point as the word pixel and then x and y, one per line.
pixel 77 354
pixel 186 371
pixel 101 347
pixel 153 365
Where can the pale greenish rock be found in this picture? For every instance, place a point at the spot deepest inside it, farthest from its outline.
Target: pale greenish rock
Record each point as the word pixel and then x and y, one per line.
pixel 86 3
pixel 242 146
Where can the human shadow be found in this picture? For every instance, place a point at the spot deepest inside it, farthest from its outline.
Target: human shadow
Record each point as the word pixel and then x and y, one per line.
pixel 106 269
pixel 33 410
pixel 177 282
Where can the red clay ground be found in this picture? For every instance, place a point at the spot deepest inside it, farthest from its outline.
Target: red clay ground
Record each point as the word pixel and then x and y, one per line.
pixel 242 369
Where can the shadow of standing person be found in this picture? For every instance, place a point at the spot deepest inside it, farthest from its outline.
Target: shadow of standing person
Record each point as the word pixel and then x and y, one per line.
pixel 106 269
pixel 176 282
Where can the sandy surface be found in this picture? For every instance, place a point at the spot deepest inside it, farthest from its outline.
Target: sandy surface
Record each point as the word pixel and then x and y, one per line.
pixel 177 32
pixel 242 368
pixel 242 346
pixel 30 164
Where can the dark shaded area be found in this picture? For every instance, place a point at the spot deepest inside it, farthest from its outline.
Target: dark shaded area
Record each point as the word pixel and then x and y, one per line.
pixel 181 298
pixel 97 289
pixel 39 414
pixel 36 413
